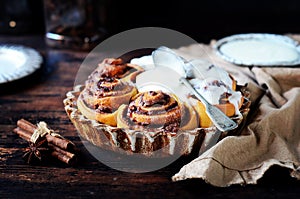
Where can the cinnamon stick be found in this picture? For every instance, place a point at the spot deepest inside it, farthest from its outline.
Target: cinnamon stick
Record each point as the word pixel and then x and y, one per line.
pixel 29 127
pixel 64 144
pixel 58 146
pixel 22 133
pixel 66 153
pixel 64 156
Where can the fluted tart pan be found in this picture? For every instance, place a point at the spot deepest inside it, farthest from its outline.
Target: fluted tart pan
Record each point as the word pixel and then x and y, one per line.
pixel 156 144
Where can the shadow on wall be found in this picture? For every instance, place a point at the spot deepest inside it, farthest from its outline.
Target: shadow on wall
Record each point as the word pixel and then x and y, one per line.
pixel 202 20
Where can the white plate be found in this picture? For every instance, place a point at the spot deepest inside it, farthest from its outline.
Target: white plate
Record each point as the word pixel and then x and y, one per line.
pixel 259 50
pixel 17 61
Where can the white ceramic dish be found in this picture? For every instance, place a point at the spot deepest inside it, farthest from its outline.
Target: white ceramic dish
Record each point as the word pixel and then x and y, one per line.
pixel 259 50
pixel 17 61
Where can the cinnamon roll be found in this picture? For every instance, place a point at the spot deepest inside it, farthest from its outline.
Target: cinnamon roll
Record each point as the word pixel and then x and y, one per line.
pixel 108 87
pixel 156 111
pixel 111 67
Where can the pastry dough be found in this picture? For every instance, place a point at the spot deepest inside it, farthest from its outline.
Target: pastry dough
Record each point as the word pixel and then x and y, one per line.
pixel 109 86
pixel 156 110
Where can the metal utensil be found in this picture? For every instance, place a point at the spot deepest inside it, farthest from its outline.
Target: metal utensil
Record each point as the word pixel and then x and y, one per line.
pixel 220 120
pixel 162 57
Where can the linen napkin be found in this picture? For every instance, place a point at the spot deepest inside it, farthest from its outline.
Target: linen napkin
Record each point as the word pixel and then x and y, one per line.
pixel 271 138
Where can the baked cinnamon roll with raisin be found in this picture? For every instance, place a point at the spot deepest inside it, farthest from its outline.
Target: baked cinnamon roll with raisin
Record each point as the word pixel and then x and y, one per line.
pixel 101 101
pixel 111 67
pixel 108 87
pixel 156 110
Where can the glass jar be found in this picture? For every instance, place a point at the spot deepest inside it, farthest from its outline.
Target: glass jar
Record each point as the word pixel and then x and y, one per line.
pixel 75 24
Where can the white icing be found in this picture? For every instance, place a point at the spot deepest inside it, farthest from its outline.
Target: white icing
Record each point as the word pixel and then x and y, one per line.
pixel 165 57
pixel 161 78
pixel 150 137
pixel 114 138
pixel 212 89
pixel 191 138
pixel 132 139
pixel 205 77
pixel 209 90
pixel 235 99
pixel 146 62
pixel 260 50
pixel 152 86
pixel 207 142
pixel 172 144
pixel 204 73
pixel 203 69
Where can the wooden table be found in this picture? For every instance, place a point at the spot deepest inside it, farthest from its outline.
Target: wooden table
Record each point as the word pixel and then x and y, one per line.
pixel 39 97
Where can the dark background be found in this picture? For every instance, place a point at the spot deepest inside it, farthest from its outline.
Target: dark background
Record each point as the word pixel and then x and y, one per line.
pixel 207 19
pixel 202 20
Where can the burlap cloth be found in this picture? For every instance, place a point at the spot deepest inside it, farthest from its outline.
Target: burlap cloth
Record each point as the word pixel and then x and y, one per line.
pixel 272 135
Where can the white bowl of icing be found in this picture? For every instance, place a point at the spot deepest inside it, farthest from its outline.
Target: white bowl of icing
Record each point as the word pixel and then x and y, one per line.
pixel 259 50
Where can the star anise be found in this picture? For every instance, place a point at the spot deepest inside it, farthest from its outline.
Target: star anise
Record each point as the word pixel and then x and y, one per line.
pixel 35 151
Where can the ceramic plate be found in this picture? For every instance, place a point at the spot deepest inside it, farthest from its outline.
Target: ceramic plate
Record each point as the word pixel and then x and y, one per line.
pixel 17 61
pixel 259 50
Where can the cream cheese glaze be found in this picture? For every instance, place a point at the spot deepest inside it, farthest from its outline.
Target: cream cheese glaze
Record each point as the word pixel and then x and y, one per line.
pixel 146 62
pixel 212 90
pixel 260 50
pixel 209 80
pixel 212 82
